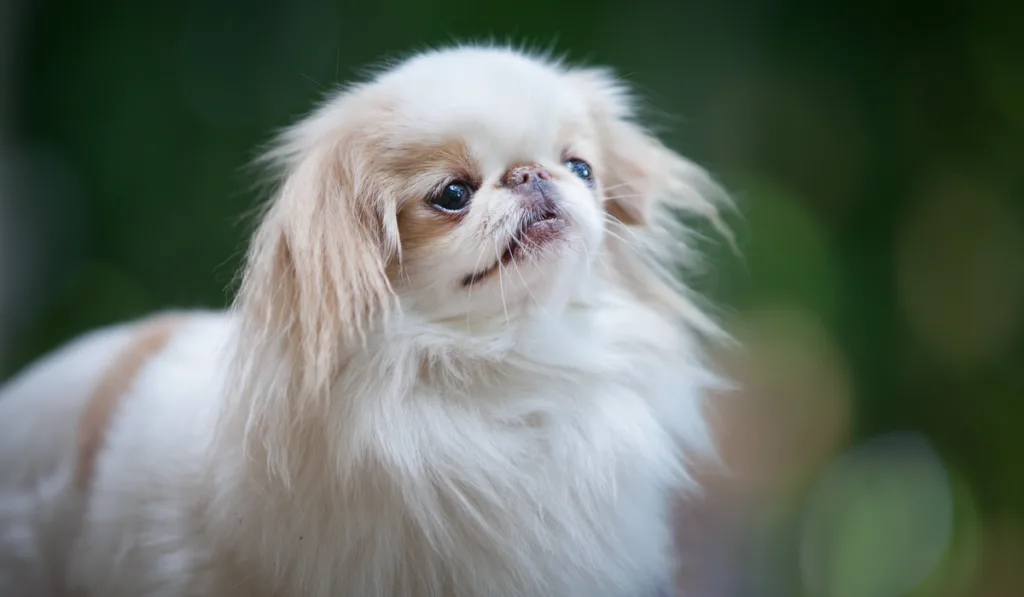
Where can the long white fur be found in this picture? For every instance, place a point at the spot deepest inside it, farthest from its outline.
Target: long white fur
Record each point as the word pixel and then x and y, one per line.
pixel 338 432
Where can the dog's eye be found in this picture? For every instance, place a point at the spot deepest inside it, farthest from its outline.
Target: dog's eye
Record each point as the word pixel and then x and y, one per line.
pixel 453 198
pixel 580 168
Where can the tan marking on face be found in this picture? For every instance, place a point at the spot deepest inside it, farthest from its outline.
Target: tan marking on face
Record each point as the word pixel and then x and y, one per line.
pixel 421 227
pixel 150 338
pixel 623 213
pixel 449 156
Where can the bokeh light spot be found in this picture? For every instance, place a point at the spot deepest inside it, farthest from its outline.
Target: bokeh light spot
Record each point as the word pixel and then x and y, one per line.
pixel 959 566
pixel 792 412
pixel 879 520
pixel 787 257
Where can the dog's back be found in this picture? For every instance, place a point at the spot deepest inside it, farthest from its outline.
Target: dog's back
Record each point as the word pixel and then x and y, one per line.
pixel 53 416
pixel 40 412
pixel 42 406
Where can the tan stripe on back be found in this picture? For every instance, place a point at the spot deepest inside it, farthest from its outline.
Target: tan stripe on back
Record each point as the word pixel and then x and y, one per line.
pixel 150 338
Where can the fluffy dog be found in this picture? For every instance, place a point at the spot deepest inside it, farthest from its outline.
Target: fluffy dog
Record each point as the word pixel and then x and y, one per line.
pixel 460 363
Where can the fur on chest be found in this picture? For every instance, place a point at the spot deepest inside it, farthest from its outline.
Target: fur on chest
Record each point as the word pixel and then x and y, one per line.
pixel 543 498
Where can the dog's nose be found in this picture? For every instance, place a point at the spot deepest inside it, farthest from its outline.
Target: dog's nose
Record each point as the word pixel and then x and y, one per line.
pixel 521 175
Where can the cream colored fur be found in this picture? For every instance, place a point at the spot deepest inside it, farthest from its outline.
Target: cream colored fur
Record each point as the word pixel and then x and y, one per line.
pixel 362 424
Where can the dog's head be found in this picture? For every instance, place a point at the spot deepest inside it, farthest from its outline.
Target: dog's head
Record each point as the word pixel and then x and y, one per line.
pixel 464 185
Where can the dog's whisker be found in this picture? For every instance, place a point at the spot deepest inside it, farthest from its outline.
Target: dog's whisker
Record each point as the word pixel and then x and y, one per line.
pixel 520 273
pixel 625 196
pixel 620 224
pixel 472 282
pixel 625 243
pixel 501 284
pixel 586 255
pixel 619 185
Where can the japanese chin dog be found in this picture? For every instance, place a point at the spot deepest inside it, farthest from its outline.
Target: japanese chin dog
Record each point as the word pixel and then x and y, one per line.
pixel 460 363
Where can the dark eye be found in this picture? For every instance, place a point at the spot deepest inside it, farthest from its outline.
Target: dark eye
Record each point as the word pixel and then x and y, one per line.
pixel 454 197
pixel 580 168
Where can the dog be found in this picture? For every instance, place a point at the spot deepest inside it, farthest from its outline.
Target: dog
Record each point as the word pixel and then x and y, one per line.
pixel 461 362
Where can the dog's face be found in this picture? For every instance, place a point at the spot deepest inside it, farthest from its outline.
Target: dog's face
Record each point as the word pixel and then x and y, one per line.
pixel 494 166
pixel 473 183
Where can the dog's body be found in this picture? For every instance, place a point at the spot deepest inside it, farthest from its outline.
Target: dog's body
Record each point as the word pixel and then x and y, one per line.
pixel 529 448
pixel 575 506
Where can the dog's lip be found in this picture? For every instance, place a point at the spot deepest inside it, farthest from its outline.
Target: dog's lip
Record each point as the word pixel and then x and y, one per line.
pixel 534 230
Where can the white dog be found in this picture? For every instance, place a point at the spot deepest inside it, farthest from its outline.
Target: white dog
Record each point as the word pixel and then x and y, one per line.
pixel 459 364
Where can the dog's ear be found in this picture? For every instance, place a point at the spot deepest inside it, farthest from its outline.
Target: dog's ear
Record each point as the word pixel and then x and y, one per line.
pixel 641 175
pixel 315 283
pixel 648 190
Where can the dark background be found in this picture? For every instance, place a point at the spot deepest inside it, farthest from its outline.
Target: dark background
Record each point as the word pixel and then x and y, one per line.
pixel 876 151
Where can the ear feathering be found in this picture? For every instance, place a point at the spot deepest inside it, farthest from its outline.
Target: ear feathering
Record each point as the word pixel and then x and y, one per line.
pixel 315 284
pixel 650 189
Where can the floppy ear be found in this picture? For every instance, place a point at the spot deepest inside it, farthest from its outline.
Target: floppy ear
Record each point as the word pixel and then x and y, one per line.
pixel 642 175
pixel 648 189
pixel 314 284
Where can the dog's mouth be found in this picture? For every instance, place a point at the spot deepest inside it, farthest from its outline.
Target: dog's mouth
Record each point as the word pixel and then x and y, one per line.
pixel 535 231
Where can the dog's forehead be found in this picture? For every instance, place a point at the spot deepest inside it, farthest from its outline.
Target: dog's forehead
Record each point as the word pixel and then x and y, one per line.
pixel 501 103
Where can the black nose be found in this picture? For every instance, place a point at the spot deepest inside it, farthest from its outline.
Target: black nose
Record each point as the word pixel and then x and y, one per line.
pixel 521 175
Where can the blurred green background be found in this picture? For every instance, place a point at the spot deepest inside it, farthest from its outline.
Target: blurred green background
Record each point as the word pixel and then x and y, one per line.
pixel 876 151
